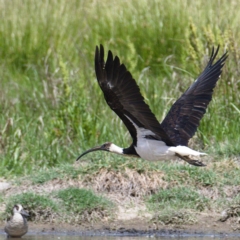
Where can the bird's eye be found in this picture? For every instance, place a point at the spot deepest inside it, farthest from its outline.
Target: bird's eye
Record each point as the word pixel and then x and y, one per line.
pixel 105 146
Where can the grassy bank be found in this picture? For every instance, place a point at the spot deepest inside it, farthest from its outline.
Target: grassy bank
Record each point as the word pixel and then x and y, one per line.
pixel 141 194
pixel 51 106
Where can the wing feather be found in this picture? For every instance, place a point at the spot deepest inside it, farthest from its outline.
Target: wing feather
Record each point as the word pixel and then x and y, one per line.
pixel 123 96
pixel 184 116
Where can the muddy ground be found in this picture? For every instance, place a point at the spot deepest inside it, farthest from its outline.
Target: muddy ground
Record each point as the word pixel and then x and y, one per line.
pixel 207 225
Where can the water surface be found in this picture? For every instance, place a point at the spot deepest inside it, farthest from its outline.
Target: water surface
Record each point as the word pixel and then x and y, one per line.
pixel 61 236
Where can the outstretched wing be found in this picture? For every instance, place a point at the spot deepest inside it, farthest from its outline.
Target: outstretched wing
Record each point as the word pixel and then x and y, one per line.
pixel 123 96
pixel 184 116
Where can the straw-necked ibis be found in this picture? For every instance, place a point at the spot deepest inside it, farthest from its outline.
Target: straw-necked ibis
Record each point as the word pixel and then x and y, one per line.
pixel 151 140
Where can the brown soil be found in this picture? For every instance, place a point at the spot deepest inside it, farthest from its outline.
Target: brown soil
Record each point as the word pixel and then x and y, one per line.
pixel 137 226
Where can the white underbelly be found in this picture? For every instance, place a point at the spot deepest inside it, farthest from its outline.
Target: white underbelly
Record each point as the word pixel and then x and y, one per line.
pixel 153 150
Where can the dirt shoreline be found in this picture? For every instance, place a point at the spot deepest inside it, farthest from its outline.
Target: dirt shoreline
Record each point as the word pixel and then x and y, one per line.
pixel 206 226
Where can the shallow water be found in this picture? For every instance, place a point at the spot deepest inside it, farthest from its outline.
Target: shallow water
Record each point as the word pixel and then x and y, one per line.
pixel 116 238
pixel 64 236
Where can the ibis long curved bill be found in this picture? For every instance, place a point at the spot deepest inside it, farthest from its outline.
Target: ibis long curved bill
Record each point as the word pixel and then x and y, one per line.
pixel 108 146
pixel 97 148
pixel 152 140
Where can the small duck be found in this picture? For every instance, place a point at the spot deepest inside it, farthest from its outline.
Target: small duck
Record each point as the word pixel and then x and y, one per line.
pixel 17 226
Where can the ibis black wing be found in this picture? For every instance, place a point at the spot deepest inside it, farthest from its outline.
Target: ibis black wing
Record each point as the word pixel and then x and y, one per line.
pixel 123 96
pixel 184 116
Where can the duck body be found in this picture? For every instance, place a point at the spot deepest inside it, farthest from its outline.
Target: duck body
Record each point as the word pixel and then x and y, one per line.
pixel 17 226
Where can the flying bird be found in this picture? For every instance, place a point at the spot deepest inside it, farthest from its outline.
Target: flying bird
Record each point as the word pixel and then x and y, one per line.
pixel 152 140
pixel 17 226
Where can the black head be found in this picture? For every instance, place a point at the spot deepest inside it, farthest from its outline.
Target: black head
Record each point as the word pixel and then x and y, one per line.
pixel 104 147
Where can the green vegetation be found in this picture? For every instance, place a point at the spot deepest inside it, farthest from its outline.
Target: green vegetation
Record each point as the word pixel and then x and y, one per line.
pixel 64 171
pixel 70 204
pixel 79 200
pixel 51 106
pixel 177 198
pixel 38 206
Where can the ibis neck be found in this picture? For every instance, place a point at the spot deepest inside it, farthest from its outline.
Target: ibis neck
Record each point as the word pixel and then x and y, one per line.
pixel 116 149
pixel 130 151
pixel 126 151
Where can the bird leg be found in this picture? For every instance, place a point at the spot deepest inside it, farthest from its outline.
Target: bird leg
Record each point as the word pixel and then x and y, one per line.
pixel 191 161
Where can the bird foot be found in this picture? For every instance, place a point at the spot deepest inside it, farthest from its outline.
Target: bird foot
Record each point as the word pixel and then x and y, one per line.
pixel 192 161
pixel 195 163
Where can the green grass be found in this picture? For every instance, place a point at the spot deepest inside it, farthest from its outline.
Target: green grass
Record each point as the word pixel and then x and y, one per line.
pixel 78 201
pixel 68 205
pixel 38 206
pixel 64 171
pixel 51 108
pixel 177 198
pixel 173 217
pixel 177 205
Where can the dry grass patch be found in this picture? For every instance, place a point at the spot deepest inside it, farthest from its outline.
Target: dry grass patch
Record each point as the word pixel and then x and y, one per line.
pixel 129 182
